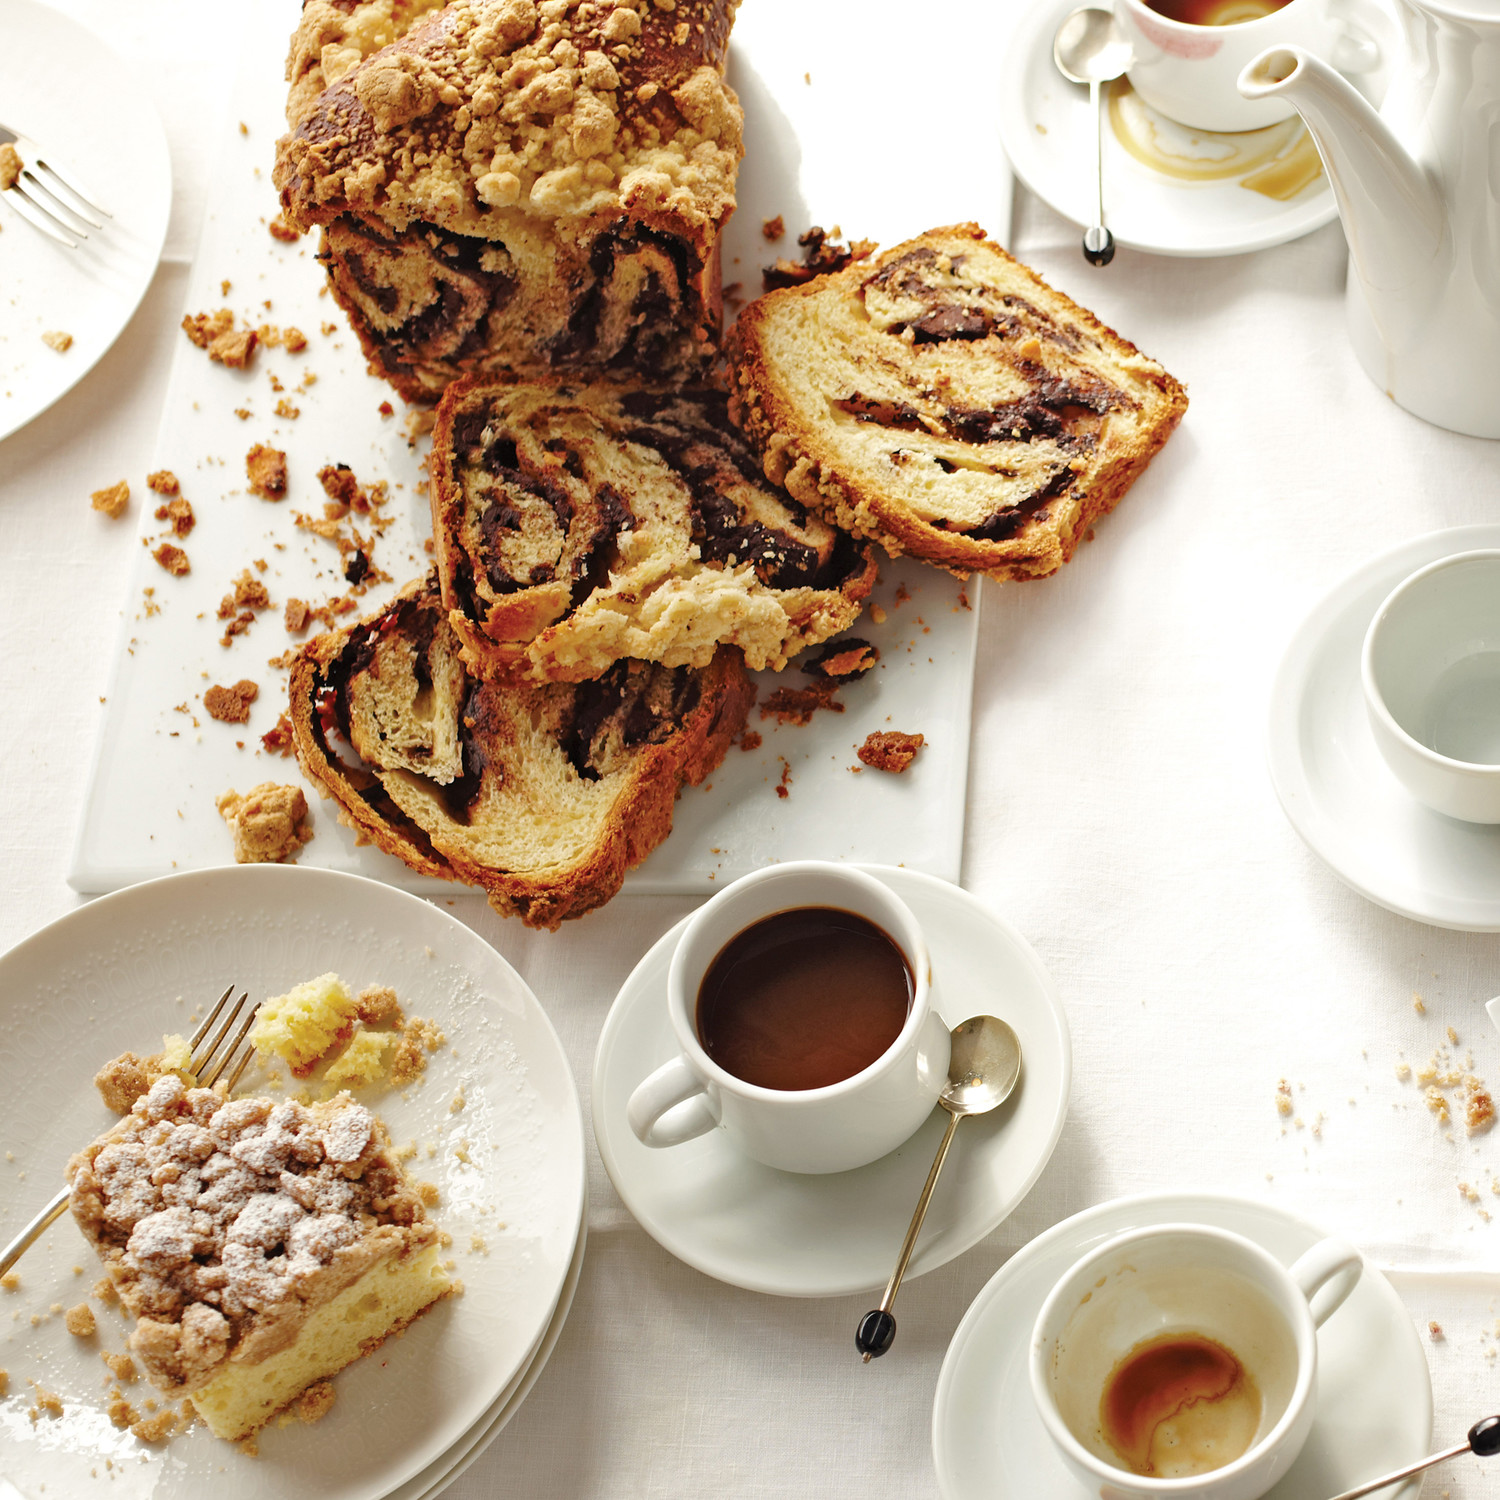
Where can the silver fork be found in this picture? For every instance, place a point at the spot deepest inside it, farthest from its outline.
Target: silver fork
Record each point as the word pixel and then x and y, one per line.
pixel 48 198
pixel 203 1068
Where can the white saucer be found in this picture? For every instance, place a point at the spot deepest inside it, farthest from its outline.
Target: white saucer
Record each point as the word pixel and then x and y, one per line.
pixel 1338 792
pixel 1374 1395
pixel 85 109
pixel 826 1236
pixel 1047 126
pixel 433 1480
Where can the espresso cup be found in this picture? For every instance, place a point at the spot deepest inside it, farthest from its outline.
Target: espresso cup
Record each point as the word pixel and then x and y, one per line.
pixel 1169 1284
pixel 1190 73
pixel 1431 676
pixel 829 1129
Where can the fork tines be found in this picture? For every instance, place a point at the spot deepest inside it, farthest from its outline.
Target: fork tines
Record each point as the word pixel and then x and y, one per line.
pixel 204 1068
pixel 50 199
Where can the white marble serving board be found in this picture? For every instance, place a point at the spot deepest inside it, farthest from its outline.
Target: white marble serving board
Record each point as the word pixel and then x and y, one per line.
pixel 832 137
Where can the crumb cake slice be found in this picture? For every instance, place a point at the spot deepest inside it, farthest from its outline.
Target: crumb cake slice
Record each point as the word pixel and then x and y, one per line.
pixel 261 1245
pixel 943 400
pixel 506 185
pixel 579 524
pixel 541 795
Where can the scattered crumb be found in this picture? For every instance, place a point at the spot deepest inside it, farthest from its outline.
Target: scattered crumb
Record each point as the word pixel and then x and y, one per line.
pixel 751 740
pixel 457 1103
pixel 890 750
pixel 386 409
pixel 278 740
pixel 173 559
pixel 773 229
pixel 782 786
pixel 379 1005
pixel 11 167
pixel 58 340
pixel 822 253
pixel 79 1321
pixel 104 1291
pixel 10 1282
pixel 1283 1098
pixel 155 1429
pixel 877 614
pixel 4 1381
pixel 287 411
pixel 112 500
pixel 1452 1035
pixel 280 229
pixel 1403 1071
pixel 266 469
pixel 1418 1005
pixel 231 705
pixel 1435 1332
pixel 798 705
pixel 269 823
pixel 417 1035
pixel 179 514
pixel 428 1193
pixel 316 1401
pixel 216 333
pixel 121 1366
pixel 847 659
pixel 163 482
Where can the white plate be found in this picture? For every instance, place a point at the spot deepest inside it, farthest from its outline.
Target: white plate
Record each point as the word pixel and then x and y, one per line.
pixel 106 978
pixel 825 1236
pixel 1373 1392
pixel 438 1475
pixel 1047 125
pixel 150 801
pixel 84 108
pixel 1333 784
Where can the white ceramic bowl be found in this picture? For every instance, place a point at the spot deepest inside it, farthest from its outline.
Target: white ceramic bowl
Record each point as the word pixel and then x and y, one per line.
pixel 1431 675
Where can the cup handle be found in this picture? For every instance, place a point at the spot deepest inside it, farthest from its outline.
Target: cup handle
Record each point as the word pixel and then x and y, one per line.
pixel 672 1106
pixel 1326 1275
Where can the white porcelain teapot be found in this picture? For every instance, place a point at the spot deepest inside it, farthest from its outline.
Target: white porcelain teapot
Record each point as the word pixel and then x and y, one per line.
pixel 1418 189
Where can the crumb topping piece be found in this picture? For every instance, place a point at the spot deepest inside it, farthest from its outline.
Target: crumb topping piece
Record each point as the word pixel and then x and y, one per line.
pixel 79 1321
pixel 231 705
pixel 11 167
pixel 58 340
pixel 173 559
pixel 163 482
pixel 265 467
pixel 112 500
pixel 269 823
pixel 890 750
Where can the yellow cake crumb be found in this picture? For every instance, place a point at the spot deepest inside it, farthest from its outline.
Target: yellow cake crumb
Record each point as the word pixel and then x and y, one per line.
pixel 316 1401
pixel 362 1062
pixel 306 1022
pixel 10 1281
pixel 1418 1005
pixel 1283 1098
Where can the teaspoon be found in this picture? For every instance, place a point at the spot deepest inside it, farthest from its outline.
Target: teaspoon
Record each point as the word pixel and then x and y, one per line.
pixel 983 1069
pixel 1483 1438
pixel 1088 48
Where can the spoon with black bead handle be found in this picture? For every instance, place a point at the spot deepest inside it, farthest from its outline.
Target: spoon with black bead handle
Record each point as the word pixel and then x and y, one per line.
pixel 983 1069
pixel 1483 1439
pixel 1089 48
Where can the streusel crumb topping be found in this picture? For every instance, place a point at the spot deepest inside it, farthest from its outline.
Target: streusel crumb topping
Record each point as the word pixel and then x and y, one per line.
pixel 223 1222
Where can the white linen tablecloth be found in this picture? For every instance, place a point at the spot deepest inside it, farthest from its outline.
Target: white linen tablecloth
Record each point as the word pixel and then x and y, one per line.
pixel 1119 814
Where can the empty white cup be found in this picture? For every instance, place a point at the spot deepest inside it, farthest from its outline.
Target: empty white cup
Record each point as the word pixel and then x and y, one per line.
pixel 1431 676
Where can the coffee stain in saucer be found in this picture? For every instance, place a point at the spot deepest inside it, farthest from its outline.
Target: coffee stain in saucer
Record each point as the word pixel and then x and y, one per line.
pixel 1277 161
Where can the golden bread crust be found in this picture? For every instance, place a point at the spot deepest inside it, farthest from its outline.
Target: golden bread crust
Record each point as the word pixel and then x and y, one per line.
pixel 946 402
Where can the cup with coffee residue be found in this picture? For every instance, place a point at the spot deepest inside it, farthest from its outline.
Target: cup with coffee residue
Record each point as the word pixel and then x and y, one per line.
pixel 801 1001
pixel 1181 1353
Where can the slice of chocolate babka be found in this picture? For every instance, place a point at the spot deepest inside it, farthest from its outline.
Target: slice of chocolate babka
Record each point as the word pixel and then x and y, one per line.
pixel 944 400
pixel 576 525
pixel 507 185
pixel 543 796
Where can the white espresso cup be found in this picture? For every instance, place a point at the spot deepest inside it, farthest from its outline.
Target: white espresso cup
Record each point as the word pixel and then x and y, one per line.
pixel 1188 1279
pixel 830 1129
pixel 1190 73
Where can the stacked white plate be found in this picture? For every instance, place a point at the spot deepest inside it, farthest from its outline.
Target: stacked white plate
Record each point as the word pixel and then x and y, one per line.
pixel 496 1124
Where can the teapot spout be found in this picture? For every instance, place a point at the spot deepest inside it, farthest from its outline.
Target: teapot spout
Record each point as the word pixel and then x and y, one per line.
pixel 1393 214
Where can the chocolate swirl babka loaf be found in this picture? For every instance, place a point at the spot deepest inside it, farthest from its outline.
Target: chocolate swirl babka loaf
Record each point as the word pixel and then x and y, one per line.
pixel 541 796
pixel 510 185
pixel 576 525
pixel 944 400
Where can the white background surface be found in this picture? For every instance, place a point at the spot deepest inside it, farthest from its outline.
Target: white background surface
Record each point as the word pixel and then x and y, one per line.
pixel 1119 815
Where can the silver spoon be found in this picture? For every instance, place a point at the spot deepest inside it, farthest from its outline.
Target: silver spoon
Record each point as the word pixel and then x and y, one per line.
pixel 1088 48
pixel 1483 1439
pixel 983 1070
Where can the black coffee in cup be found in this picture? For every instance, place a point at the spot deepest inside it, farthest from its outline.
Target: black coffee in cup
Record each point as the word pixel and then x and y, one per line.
pixel 804 998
